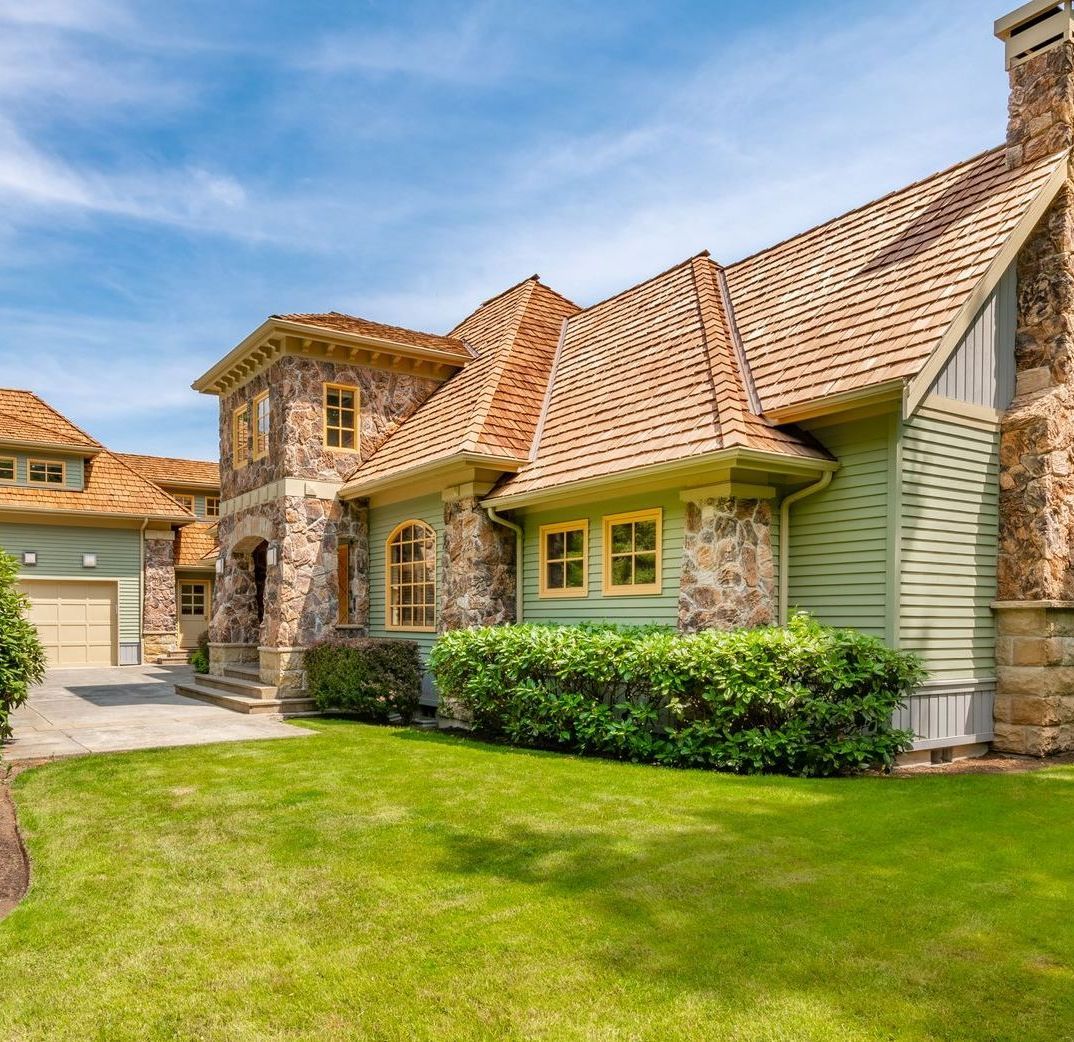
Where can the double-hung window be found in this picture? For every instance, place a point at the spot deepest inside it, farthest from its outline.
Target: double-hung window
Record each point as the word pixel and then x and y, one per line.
pixel 632 555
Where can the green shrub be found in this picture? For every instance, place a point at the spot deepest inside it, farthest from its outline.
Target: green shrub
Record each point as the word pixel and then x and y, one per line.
pixel 375 679
pixel 801 699
pixel 199 657
pixel 22 659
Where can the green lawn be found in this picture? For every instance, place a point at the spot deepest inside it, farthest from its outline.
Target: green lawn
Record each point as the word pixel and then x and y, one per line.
pixel 383 884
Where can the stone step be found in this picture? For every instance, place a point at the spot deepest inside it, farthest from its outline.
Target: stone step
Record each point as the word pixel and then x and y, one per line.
pixel 243 670
pixel 174 658
pixel 245 704
pixel 237 685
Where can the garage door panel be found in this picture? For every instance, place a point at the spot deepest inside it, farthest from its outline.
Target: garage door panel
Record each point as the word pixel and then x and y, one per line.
pixel 76 621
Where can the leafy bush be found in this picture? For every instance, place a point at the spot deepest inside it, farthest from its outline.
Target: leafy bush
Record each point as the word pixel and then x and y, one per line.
pixel 373 678
pixel 801 699
pixel 22 659
pixel 199 657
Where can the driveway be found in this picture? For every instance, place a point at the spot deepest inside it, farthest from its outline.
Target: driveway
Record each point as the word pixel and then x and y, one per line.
pixel 79 711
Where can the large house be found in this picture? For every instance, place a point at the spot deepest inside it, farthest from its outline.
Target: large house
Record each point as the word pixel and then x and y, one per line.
pixel 115 552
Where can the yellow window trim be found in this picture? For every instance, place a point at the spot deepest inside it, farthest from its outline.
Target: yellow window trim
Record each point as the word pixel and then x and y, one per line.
pixel 184 499
pixel 212 499
pixel 543 589
pixel 260 443
pixel 14 468
pixel 30 464
pixel 357 418
pixel 388 625
pixel 607 522
pixel 240 459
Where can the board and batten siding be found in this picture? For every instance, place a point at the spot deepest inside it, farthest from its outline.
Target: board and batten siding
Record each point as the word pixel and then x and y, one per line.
pixel 982 371
pixel 382 521
pixel 59 551
pixel 840 538
pixel 661 608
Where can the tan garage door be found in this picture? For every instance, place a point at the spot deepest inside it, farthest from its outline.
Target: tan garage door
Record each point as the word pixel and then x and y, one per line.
pixel 75 620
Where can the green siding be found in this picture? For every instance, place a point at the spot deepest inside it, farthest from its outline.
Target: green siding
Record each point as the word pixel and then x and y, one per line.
pixel 59 555
pixel 382 520
pixel 949 534
pixel 839 541
pixel 74 474
pixel 658 608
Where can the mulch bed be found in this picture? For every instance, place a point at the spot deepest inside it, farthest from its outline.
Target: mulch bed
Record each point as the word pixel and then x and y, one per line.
pixel 14 866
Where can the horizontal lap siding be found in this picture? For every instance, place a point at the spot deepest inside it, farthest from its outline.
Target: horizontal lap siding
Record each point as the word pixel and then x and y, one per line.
pixel 660 608
pixel 382 520
pixel 839 537
pixel 74 469
pixel 950 524
pixel 59 554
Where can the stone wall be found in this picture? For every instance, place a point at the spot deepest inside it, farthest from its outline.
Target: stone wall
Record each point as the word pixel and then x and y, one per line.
pixel 159 621
pixel 479 575
pixel 727 575
pixel 354 530
pixel 234 619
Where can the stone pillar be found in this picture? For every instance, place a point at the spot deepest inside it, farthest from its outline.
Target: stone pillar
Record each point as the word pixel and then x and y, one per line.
pixel 479 574
pixel 160 633
pixel 1036 540
pixel 354 530
pixel 727 578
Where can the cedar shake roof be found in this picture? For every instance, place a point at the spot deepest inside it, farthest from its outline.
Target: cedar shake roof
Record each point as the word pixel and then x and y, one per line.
pixel 377 330
pixel 490 407
pixel 196 545
pixel 24 417
pixel 649 376
pixel 168 472
pixel 867 297
pixel 111 488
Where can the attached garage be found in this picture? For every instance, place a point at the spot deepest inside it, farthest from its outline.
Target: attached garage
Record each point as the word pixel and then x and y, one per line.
pixel 76 620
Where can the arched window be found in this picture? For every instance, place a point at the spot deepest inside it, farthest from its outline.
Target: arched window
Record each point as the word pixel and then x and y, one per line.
pixel 411 578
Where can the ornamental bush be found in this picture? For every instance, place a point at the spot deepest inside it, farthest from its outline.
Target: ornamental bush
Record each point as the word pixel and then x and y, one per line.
pixel 199 657
pixel 373 678
pixel 22 659
pixel 801 699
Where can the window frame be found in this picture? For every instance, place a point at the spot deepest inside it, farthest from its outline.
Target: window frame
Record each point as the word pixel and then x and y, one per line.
pixel 206 595
pixel 260 444
pixel 543 589
pixel 355 432
pixel 14 461
pixel 181 497
pixel 636 589
pixel 240 412
pixel 46 463
pixel 343 584
pixel 388 624
pixel 212 499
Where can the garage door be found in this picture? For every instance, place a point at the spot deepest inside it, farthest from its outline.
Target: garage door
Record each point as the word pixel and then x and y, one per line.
pixel 76 621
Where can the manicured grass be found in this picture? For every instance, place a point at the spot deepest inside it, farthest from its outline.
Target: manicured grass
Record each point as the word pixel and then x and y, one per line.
pixel 382 884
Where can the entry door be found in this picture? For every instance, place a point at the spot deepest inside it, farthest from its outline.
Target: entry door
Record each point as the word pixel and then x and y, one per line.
pixel 193 612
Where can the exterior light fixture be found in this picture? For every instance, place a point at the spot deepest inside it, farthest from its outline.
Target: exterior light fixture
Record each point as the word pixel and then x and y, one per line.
pixel 219 566
pixel 29 557
pixel 272 556
pixel 89 560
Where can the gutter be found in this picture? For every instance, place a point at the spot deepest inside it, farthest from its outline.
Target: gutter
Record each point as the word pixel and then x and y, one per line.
pixel 785 539
pixel 519 544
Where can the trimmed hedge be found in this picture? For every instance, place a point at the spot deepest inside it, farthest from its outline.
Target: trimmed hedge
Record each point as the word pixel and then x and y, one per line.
pixel 802 699
pixel 22 658
pixel 374 678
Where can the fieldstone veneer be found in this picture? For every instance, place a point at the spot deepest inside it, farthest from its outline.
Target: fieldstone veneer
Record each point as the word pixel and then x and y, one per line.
pixel 160 634
pixel 479 568
pixel 1035 611
pixel 727 575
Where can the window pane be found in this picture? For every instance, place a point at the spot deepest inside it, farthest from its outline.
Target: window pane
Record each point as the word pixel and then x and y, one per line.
pixel 346 399
pixel 645 569
pixel 348 440
pixel 645 535
pixel 556 542
pixel 331 396
pixel 622 538
pixel 555 576
pixel 622 572
pixel 575 542
pixel 575 575
pixel 7 470
pixel 333 417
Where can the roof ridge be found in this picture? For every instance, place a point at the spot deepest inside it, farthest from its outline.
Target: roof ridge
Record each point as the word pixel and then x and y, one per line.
pixel 492 299
pixel 873 202
pixel 542 416
pixel 744 369
pixel 169 459
pixel 644 282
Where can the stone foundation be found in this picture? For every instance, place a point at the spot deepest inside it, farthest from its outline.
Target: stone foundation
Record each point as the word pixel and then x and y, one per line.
pixel 221 655
pixel 283 668
pixel 478 586
pixel 1035 656
pixel 728 579
pixel 154 645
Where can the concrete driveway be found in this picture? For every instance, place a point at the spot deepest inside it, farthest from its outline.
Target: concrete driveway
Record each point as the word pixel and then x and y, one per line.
pixel 80 711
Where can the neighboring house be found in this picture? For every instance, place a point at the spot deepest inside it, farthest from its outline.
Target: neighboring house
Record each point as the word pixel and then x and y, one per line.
pixel 105 553
pixel 841 423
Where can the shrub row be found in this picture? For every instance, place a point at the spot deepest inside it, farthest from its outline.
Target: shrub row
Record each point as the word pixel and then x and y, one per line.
pixel 803 699
pixel 375 679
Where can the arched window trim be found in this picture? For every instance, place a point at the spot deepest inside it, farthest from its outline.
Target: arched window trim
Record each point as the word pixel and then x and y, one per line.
pixel 390 581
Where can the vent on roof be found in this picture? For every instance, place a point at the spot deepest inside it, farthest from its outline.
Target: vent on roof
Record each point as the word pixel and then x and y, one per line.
pixel 1035 27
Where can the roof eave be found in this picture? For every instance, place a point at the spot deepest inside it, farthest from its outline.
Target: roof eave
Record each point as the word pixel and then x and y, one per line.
pixel 79 449
pixel 877 394
pixel 360 487
pixel 139 515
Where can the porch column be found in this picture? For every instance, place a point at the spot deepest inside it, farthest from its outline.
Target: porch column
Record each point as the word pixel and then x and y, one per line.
pixel 727 578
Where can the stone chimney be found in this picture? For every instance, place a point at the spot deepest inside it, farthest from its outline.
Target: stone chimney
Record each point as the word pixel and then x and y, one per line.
pixel 1035 597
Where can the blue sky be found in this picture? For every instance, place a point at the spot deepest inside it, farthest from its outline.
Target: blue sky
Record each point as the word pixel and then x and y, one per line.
pixel 170 174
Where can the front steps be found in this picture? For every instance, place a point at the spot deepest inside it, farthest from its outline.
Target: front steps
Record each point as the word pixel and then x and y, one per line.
pixel 174 658
pixel 239 689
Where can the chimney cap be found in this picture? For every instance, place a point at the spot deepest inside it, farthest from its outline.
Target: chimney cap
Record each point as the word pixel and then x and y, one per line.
pixel 1034 27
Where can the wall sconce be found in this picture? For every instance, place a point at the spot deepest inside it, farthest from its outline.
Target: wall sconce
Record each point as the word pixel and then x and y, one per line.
pixel 219 566
pixel 272 556
pixel 89 560
pixel 29 557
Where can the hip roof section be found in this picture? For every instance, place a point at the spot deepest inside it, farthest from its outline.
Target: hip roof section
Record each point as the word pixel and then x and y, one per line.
pixel 26 418
pixel 167 471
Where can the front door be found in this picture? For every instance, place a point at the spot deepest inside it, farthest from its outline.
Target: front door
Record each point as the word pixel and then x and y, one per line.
pixel 193 612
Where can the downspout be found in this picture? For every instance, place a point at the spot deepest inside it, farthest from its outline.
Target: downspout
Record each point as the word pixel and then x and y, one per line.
pixel 785 539
pixel 141 592
pixel 519 538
